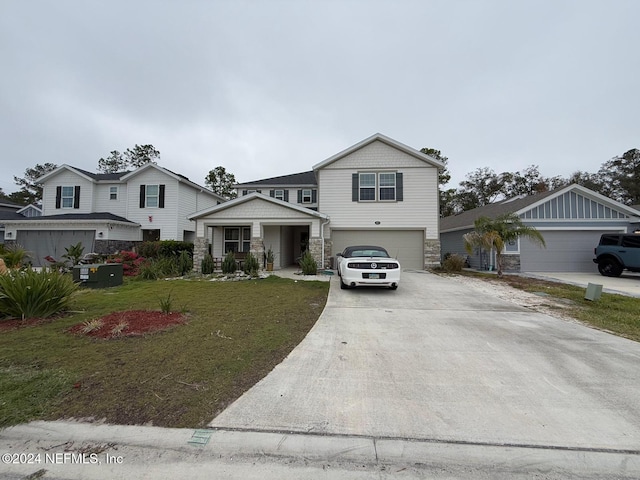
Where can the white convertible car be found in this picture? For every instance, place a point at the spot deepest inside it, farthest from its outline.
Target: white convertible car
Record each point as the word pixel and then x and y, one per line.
pixel 364 265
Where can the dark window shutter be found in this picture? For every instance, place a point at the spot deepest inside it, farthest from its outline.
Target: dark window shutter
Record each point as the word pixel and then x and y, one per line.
pixel 355 186
pixel 299 196
pixel 161 199
pixel 259 191
pixel 399 193
pixel 286 195
pixel 244 192
pixel 272 193
pixel 58 196
pixel 76 196
pixel 143 193
pixel 314 196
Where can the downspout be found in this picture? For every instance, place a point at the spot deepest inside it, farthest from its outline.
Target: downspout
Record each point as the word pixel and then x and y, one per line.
pixel 322 237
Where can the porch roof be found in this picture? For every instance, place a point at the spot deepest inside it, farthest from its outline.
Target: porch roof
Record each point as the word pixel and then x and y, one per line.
pixel 253 197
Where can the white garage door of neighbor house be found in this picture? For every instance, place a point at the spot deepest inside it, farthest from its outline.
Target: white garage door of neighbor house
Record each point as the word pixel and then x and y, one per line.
pixel 567 251
pixel 405 245
pixel 42 243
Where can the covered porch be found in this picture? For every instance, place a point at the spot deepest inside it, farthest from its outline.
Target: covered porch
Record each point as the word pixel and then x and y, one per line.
pixel 256 223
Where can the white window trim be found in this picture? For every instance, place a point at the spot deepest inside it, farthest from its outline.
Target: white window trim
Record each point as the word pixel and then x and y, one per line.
pixel 63 196
pixel 395 191
pixel 147 196
pixel 278 195
pixel 240 241
pixel 112 193
pixel 512 252
pixel 375 187
pixel 307 195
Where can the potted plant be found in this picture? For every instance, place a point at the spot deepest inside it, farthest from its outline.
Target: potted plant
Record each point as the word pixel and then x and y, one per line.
pixel 270 258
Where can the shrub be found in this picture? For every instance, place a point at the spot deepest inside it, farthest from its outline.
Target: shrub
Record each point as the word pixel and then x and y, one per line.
pixel 229 264
pixel 14 255
pixel 308 264
pixel 207 266
pixel 453 263
pixel 74 253
pixel 166 304
pixel 251 265
pixel 164 248
pixel 185 262
pixel 30 294
pixel 158 268
pixel 130 261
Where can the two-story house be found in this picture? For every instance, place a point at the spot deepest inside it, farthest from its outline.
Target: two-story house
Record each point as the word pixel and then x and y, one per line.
pixel 377 191
pixel 109 212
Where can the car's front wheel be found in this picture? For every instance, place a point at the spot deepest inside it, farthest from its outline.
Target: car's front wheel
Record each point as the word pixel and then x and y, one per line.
pixel 609 267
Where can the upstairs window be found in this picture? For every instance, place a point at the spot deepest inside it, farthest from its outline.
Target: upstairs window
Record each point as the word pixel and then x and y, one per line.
pixel 387 186
pixel 113 193
pixel 152 196
pixel 377 187
pixel 278 195
pixel 307 196
pixel 67 197
pixel 367 187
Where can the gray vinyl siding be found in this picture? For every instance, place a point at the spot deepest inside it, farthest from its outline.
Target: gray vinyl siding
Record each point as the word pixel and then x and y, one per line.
pixel 453 243
pixel 573 206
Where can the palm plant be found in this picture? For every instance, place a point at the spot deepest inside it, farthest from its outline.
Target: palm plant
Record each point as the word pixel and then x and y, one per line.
pixel 497 232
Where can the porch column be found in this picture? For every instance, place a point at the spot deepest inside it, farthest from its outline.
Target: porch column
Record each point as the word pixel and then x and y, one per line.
pixel 257 250
pixel 315 248
pixel 200 249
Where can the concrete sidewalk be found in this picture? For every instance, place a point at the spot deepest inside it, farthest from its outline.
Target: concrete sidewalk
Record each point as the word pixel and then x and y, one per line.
pixel 79 451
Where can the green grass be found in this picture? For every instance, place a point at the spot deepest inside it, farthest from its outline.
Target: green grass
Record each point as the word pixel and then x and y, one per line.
pixel 236 333
pixel 617 314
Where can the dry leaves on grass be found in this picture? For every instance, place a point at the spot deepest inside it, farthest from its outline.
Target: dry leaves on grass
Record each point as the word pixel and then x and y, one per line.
pixel 129 323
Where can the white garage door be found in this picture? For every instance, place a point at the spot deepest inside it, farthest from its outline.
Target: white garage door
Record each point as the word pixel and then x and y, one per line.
pixel 406 245
pixel 53 243
pixel 567 251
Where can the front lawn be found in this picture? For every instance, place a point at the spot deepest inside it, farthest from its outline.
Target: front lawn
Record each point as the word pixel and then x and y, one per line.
pixel 236 332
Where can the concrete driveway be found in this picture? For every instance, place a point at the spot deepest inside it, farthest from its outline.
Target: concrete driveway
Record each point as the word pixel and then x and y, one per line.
pixel 440 361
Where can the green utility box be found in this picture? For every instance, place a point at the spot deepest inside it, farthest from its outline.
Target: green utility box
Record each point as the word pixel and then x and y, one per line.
pixel 98 275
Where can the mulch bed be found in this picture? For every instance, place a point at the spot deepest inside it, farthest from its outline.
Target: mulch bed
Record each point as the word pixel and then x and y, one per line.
pixel 129 323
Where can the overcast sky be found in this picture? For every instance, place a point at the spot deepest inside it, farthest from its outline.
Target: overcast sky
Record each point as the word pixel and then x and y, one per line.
pixel 268 88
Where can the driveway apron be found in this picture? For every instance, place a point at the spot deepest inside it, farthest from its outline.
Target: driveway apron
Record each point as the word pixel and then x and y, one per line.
pixel 438 360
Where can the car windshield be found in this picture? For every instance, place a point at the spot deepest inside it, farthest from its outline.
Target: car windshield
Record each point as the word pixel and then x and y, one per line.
pixel 368 253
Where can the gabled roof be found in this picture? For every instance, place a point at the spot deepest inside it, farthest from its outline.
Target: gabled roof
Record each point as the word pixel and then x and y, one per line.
pixel 66 217
pixel 176 176
pixel 386 140
pixel 255 196
pixel 92 177
pixel 518 206
pixel 295 179
pixel 9 204
pixel 31 205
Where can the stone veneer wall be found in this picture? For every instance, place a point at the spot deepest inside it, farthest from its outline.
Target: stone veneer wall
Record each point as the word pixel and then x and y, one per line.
pixel 431 253
pixel 200 249
pixel 257 250
pixel 315 247
pixel 328 244
pixel 511 263
pixel 108 247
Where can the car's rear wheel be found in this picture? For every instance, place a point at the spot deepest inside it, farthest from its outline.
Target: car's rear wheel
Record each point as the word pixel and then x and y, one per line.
pixel 343 286
pixel 393 287
pixel 609 267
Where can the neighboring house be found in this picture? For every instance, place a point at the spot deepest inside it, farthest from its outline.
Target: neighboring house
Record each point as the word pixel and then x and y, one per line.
pixel 378 191
pixel 109 212
pixel 8 210
pixel 571 220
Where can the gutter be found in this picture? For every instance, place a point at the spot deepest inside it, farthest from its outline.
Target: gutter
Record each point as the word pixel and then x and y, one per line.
pixel 322 225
